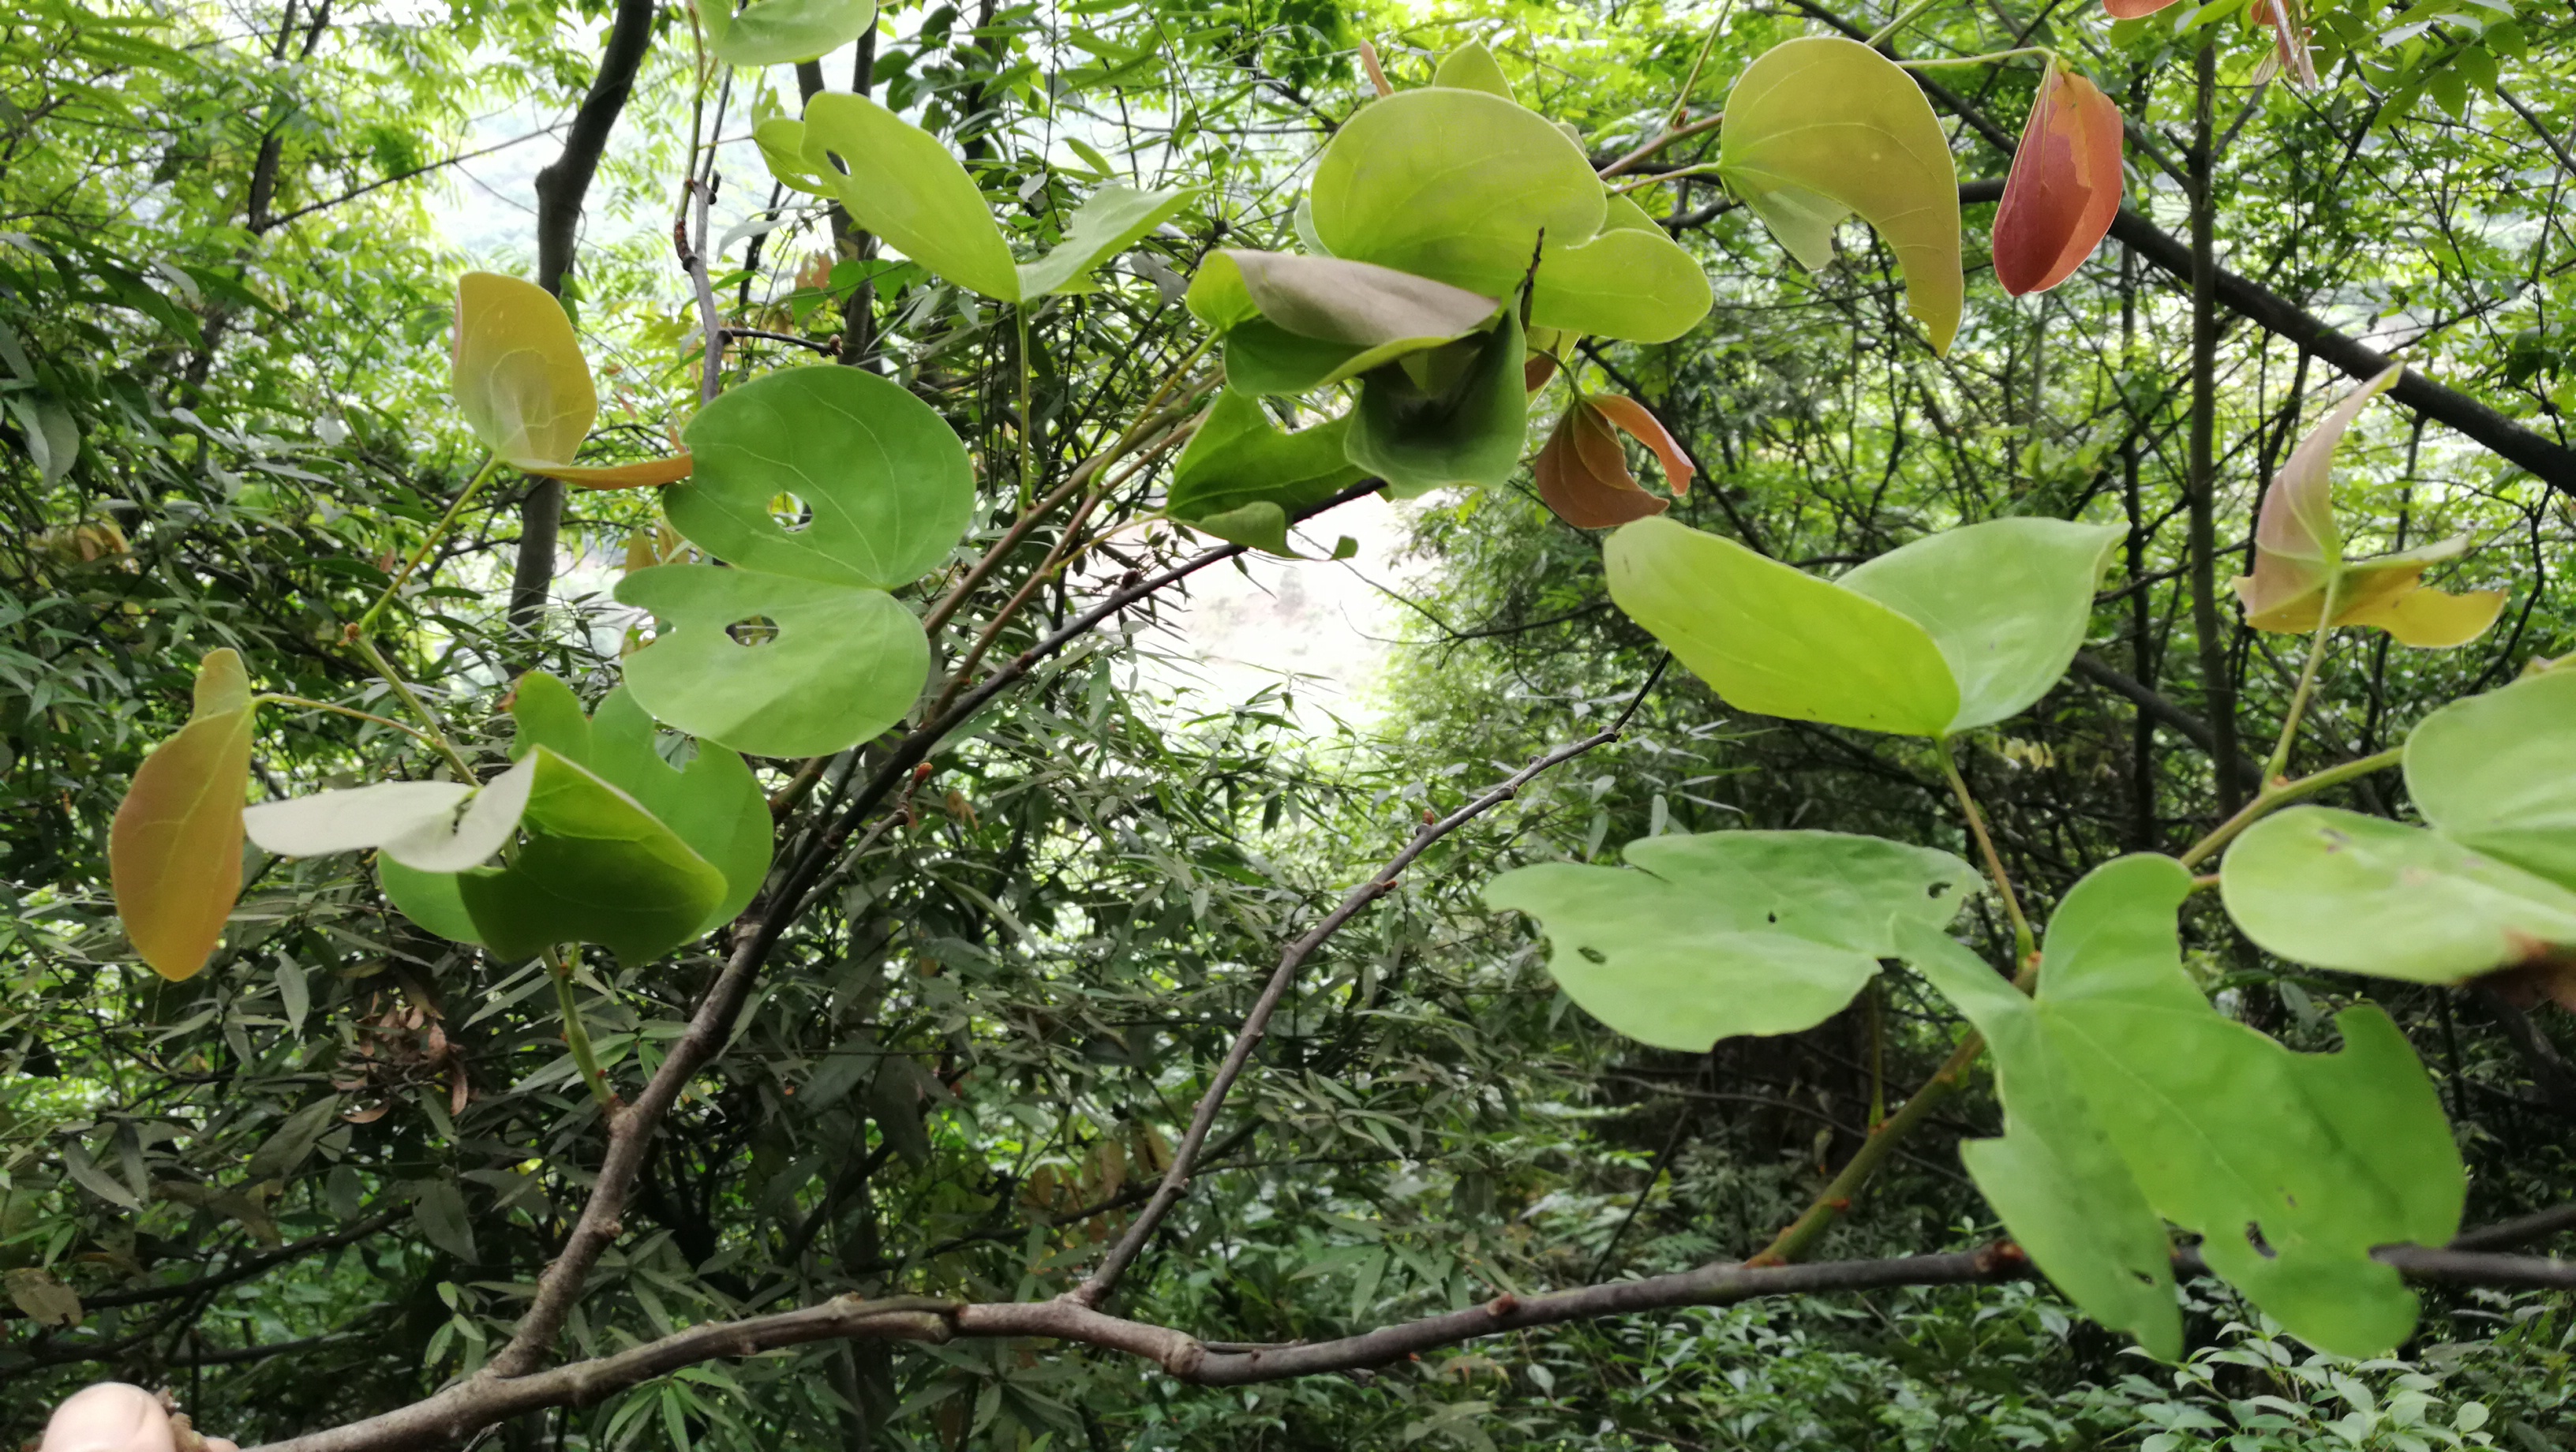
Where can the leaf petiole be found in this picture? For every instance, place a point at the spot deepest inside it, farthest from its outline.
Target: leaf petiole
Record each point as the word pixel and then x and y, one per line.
pixel 2273 798
pixel 577 1038
pixel 1975 60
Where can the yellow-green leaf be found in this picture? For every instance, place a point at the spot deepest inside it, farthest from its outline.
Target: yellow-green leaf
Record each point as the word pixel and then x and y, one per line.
pixel 902 183
pixel 174 850
pixel 517 371
pixel 1821 128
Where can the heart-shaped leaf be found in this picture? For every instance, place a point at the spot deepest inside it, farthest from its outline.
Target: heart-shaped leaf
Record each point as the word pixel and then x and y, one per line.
pixel 1456 414
pixel 1821 128
pixel 2064 187
pixel 174 851
pixel 2008 601
pixel 901 183
pixel 1455 185
pixel 2291 1167
pixel 1107 223
pixel 1238 458
pixel 714 803
pixel 430 826
pixel 774 32
pixel 524 388
pixel 2299 558
pixel 2336 889
pixel 886 485
pixel 1702 938
pixel 1627 282
pixel 2497 773
pixel 845 662
pixel 2062 1190
pixel 594 867
pixel 1774 640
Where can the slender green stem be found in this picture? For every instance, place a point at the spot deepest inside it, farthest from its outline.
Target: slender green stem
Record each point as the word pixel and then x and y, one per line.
pixel 1681 103
pixel 576 1037
pixel 423 737
pixel 2274 798
pixel 1639 183
pixel 2024 943
pixel 2280 761
pixel 1974 60
pixel 437 532
pixel 437 734
pixel 1902 16
pixel 1028 451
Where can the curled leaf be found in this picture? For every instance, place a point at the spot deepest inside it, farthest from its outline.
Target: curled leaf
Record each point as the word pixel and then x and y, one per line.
pixel 174 850
pixel 431 826
pixel 2064 188
pixel 521 382
pixel 1582 473
pixel 2299 559
pixel 2290 54
pixel 1821 128
pixel 1633 420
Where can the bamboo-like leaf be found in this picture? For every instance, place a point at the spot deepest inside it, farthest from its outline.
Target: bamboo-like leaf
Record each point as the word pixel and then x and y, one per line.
pixel 175 848
pixel 2064 187
pixel 1821 128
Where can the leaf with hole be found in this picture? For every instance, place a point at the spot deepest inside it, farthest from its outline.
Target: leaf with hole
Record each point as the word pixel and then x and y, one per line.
pixel 845 662
pixel 1821 128
pixel 174 850
pixel 432 826
pixel 714 804
pixel 2062 1190
pixel 1701 938
pixel 593 866
pixel 1456 414
pixel 902 183
pixel 774 32
pixel 886 486
pixel 2290 1166
pixel 524 388
pixel 2064 187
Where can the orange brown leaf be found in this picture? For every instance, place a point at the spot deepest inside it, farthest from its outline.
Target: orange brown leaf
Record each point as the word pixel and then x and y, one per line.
pixel 174 850
pixel 2064 187
pixel 1582 473
pixel 1633 419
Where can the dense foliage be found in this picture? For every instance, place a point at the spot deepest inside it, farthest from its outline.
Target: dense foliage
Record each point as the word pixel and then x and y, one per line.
pixel 319 1177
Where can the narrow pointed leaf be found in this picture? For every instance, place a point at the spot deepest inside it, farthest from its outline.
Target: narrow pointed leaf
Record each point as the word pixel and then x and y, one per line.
pixel 1704 937
pixel 2064 187
pixel 1776 641
pixel 2063 1191
pixel 2007 601
pixel 1455 414
pixel 774 32
pixel 2133 9
pixel 433 826
pixel 901 183
pixel 2291 1167
pixel 174 851
pixel 517 371
pixel 884 479
pixel 1455 185
pixel 1107 223
pixel 1820 128
pixel 846 662
pixel 641 474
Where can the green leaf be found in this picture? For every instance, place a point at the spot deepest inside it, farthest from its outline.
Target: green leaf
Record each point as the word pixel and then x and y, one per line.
pixel 845 664
pixel 1456 414
pixel 286 1149
pixel 884 479
pixel 714 803
pixel 2290 1166
pixel 773 32
pixel 440 1214
pixel 430 899
pixel 1625 283
pixel 1820 128
pixel 900 182
pixel 2007 601
pixel 1471 67
pixel 1238 458
pixel 2336 889
pixel 1702 938
pixel 1108 222
pixel 1454 185
pixel 595 867
pixel 517 371
pixel 1260 525
pixel 2497 773
pixel 1774 640
pixel 1358 304
pixel 174 851
pixel 2061 1188
pixel 435 826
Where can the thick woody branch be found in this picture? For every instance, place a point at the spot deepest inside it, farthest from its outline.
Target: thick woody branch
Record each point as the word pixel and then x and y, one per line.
pixel 1176 1179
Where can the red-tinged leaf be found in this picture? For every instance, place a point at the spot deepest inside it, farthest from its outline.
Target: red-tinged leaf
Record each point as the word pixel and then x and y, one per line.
pixel 2290 54
pixel 1536 370
pixel 641 474
pixel 174 851
pixel 1632 417
pixel 2132 9
pixel 1583 475
pixel 2064 188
